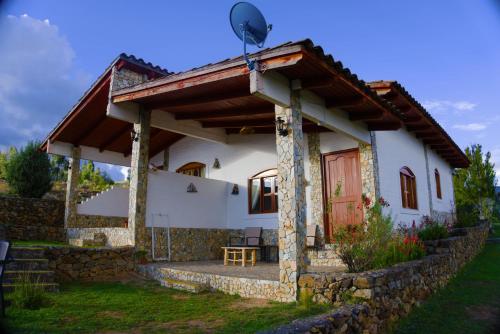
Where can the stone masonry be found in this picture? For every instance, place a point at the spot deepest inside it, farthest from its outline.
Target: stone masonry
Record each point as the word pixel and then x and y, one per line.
pixel 72 186
pixel 368 173
pixel 291 196
pixel 139 180
pixel 313 141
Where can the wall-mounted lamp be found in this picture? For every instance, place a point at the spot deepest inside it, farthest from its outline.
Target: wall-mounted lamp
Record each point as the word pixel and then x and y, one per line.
pixel 216 164
pixel 281 127
pixel 236 190
pixel 192 188
pixel 134 135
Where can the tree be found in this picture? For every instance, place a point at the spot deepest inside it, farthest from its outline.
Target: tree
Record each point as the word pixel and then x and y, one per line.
pixel 475 185
pixel 93 178
pixel 28 172
pixel 4 159
pixel 59 165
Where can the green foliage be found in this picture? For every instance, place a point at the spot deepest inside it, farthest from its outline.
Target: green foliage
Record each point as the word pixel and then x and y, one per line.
pixel 59 166
pixel 28 293
pixel 93 178
pixel 4 159
pixel 475 186
pixel 432 230
pixel 401 248
pixel 28 171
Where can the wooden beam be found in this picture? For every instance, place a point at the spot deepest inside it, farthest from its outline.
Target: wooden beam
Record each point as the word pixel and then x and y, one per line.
pixel 439 146
pixel 86 134
pixel 216 114
pixel 318 82
pixel 344 103
pixel 366 115
pixel 426 134
pixel 197 101
pixel 417 127
pixel 412 119
pixel 383 126
pixel 108 142
pixel 239 123
pixel 433 141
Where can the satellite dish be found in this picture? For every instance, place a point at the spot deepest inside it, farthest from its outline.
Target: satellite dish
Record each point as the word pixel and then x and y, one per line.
pixel 250 26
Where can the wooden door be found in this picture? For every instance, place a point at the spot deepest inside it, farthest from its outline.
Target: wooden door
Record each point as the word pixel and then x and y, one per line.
pixel 342 189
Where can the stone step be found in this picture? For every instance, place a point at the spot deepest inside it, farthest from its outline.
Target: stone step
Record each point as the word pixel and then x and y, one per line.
pixel 184 285
pixel 41 276
pixel 49 287
pixel 27 252
pixel 28 264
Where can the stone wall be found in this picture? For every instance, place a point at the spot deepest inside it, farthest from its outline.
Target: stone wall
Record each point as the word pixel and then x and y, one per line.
pixel 93 221
pixel 198 244
pixel 387 294
pixel 32 219
pixel 115 236
pixel 75 263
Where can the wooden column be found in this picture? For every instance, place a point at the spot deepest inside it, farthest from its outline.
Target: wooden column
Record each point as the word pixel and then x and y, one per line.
pixel 291 199
pixel 139 181
pixel 70 210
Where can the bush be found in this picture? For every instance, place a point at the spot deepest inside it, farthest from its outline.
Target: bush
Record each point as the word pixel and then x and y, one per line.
pixel 467 216
pixel 28 172
pixel 29 294
pixel 432 230
pixel 400 249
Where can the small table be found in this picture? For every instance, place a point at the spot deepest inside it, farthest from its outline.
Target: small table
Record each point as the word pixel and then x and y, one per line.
pixel 242 251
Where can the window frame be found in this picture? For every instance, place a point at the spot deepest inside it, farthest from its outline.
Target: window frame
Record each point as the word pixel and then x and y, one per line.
pixel 437 179
pixel 269 173
pixel 408 183
pixel 194 165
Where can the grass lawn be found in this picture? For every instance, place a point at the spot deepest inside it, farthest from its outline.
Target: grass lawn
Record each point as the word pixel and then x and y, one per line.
pixel 145 307
pixel 35 243
pixel 470 303
pixel 496 229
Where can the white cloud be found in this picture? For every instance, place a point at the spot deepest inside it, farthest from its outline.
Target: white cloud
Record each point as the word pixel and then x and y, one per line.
pixel 470 126
pixel 124 171
pixel 495 158
pixel 38 81
pixel 445 105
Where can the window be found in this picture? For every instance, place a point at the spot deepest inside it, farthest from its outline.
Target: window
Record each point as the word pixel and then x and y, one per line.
pixel 263 192
pixel 193 169
pixel 438 183
pixel 408 188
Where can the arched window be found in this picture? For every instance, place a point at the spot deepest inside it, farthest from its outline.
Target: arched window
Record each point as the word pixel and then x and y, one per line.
pixel 438 183
pixel 263 192
pixel 193 169
pixel 408 188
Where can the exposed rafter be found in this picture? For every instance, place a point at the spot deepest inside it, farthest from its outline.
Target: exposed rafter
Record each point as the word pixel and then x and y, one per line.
pixel 345 103
pixel 366 115
pixel 193 102
pixel 125 128
pixel 218 114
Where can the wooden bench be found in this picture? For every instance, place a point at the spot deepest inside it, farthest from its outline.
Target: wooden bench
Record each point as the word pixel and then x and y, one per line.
pixel 236 254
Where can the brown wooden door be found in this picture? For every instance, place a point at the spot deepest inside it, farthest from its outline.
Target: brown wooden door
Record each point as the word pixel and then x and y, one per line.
pixel 342 189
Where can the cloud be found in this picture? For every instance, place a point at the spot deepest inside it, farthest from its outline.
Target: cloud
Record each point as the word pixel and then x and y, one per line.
pixel 471 126
pixel 38 80
pixel 495 158
pixel 445 105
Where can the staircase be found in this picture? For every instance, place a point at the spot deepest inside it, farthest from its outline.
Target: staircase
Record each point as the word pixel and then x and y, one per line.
pixel 29 261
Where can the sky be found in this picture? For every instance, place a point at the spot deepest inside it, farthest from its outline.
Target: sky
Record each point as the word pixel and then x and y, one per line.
pixel 445 53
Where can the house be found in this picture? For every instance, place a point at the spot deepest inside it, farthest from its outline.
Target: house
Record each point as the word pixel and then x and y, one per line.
pixel 218 148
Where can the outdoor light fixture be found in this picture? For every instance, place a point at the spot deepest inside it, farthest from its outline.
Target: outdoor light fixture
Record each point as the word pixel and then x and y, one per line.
pixel 134 135
pixel 216 164
pixel 281 127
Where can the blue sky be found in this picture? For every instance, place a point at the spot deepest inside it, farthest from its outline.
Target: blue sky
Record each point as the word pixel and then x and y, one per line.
pixel 446 53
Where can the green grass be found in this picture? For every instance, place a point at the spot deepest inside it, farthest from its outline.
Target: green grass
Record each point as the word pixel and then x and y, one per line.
pixel 149 308
pixel 470 303
pixel 40 243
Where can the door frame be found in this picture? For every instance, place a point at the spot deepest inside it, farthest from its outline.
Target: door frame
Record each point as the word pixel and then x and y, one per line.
pixel 324 187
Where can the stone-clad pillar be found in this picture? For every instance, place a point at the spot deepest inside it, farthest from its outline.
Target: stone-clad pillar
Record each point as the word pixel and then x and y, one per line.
pixel 139 181
pixel 313 142
pixel 368 171
pixel 72 188
pixel 291 199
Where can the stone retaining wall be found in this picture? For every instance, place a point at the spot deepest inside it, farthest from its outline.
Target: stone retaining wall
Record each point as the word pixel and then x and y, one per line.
pixel 115 236
pixel 386 294
pixel 75 263
pixel 32 219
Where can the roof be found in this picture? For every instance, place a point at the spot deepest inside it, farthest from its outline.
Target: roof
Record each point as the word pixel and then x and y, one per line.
pixel 418 120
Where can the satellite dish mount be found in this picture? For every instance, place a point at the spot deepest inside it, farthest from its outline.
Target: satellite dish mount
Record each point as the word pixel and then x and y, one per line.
pixel 250 26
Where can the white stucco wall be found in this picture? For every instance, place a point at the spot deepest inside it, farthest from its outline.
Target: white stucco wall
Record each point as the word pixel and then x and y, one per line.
pixel 241 158
pixel 446 174
pixel 397 149
pixel 169 203
pixel 113 202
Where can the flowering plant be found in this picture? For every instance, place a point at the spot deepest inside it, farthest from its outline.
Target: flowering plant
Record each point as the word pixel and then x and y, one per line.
pixel 432 230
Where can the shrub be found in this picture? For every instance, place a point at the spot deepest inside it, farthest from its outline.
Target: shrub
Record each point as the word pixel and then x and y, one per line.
pixel 467 216
pixel 432 230
pixel 400 249
pixel 29 294
pixel 28 172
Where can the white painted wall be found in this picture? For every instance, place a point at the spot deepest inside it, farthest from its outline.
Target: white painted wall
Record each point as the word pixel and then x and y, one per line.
pixel 446 204
pixel 396 149
pixel 169 203
pixel 113 202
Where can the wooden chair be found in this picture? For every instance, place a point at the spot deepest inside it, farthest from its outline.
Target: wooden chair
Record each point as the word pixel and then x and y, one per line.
pixel 252 238
pixel 4 259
